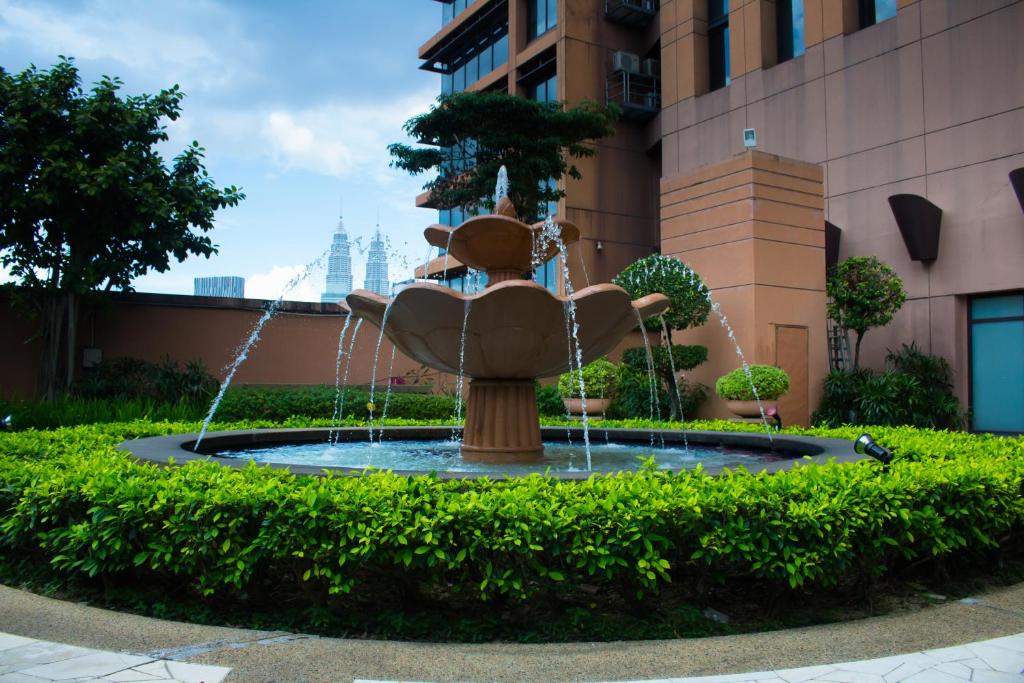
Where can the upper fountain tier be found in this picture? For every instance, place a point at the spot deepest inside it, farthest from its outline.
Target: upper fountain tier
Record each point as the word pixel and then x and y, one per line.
pixel 515 329
pixel 499 244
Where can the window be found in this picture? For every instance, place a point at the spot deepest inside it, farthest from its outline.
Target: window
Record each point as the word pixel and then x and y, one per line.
pixel 544 91
pixel 452 9
pixel 789 23
pixel 476 61
pixel 871 12
pixel 718 44
pixel 541 17
pixel 997 363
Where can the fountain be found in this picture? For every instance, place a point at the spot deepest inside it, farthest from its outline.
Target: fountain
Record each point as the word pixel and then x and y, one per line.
pixel 515 334
pixel 502 339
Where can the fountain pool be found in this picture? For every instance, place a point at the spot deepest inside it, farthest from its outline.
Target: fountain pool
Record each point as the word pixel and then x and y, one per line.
pixel 421 450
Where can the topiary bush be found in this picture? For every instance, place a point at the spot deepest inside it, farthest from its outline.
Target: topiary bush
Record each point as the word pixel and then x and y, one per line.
pixel 129 379
pixel 770 382
pixel 598 380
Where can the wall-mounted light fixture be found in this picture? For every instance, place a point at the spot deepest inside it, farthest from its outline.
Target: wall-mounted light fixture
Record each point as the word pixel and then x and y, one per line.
pixel 599 246
pixel 919 221
pixel 1017 181
pixel 833 235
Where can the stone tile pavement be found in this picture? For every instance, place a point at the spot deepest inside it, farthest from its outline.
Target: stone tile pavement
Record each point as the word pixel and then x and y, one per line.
pixel 26 660
pixel 1000 660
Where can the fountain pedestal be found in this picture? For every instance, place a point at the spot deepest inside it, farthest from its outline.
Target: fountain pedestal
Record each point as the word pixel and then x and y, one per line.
pixel 501 422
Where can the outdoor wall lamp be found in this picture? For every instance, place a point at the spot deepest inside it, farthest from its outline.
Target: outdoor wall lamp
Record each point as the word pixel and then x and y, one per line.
pixel 1017 181
pixel 833 235
pixel 865 444
pixel 599 246
pixel 919 221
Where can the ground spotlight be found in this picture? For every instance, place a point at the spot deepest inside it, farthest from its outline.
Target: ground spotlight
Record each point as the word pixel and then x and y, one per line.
pixel 7 423
pixel 865 443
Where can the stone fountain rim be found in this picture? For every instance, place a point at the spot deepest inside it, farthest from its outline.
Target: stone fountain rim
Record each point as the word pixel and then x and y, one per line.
pixel 160 449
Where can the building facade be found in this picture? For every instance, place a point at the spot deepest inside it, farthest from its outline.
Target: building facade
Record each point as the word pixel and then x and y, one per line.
pixel 377 267
pixel 224 286
pixel 339 267
pixel 852 102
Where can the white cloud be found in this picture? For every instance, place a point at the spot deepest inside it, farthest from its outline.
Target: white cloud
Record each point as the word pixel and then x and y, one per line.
pixel 157 39
pixel 273 283
pixel 338 138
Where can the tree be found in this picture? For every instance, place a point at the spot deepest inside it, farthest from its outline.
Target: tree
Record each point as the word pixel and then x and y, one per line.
pixel 86 202
pixel 472 134
pixel 863 293
pixel 689 306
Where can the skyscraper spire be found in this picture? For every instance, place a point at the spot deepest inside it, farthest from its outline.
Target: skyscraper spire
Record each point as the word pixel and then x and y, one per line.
pixel 339 265
pixel 377 265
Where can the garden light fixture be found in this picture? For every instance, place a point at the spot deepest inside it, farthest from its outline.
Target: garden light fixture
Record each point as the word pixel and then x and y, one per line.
pixel 865 443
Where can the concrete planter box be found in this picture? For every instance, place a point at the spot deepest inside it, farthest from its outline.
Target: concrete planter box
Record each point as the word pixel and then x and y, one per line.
pixel 595 406
pixel 750 408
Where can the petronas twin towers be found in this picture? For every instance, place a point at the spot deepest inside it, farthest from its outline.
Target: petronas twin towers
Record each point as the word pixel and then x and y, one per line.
pixel 339 267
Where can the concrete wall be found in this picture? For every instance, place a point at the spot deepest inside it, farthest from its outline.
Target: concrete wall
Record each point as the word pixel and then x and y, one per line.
pixel 930 102
pixel 298 346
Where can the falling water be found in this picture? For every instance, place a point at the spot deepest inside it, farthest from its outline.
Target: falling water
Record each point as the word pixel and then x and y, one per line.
pixel 675 381
pixel 387 395
pixel 743 362
pixel 551 234
pixel 462 368
pixel 337 371
pixel 376 359
pixel 340 398
pixel 650 369
pixel 447 250
pixel 583 266
pixel 254 337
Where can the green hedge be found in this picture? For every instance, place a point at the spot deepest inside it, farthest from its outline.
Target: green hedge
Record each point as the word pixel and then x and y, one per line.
pixel 279 403
pixel 70 497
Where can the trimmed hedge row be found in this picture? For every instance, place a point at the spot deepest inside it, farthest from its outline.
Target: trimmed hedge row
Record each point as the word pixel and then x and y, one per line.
pixel 70 496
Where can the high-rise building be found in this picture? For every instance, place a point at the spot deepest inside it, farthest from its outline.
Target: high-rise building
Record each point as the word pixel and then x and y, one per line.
pixel 339 267
pixel 377 267
pixel 872 123
pixel 224 286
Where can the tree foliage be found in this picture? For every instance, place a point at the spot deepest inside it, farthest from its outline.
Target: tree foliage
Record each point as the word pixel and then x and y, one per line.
pixel 689 303
pixel 470 135
pixel 689 306
pixel 86 201
pixel 863 293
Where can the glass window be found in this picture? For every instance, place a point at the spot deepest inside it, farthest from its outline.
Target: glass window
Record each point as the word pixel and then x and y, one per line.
pixel 472 73
pixel 871 12
pixel 541 17
pixel 459 80
pixel 790 25
pixel 501 50
pixel 447 12
pixel 486 63
pixel 718 43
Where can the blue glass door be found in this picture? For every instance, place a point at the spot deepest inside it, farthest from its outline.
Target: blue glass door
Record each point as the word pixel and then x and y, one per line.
pixel 997 363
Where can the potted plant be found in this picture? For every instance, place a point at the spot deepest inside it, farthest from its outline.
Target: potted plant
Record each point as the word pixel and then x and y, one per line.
pixel 737 389
pixel 598 385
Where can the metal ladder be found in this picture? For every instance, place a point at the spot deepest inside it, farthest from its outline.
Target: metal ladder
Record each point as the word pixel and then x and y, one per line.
pixel 838 348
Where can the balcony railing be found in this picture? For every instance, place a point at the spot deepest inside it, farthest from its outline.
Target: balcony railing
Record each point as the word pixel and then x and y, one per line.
pixel 631 12
pixel 639 95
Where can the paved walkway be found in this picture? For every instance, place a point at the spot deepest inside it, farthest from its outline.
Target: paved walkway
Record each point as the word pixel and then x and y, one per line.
pixel 935 636
pixel 26 660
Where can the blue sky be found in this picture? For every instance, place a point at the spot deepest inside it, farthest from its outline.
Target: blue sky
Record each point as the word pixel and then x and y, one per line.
pixel 293 101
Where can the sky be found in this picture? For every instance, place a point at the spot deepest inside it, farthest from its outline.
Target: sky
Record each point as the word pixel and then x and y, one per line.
pixel 295 103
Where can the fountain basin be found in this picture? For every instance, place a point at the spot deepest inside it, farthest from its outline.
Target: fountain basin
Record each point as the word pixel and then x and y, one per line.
pixel 788 449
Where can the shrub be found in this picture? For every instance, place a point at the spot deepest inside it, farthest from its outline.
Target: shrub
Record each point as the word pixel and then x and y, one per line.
pixel 770 382
pixel 549 401
pixel 598 380
pixel 916 390
pixel 136 379
pixel 280 403
pixel 70 497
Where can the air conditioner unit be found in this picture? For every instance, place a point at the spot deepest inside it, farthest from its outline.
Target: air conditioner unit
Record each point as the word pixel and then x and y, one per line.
pixel 650 67
pixel 626 61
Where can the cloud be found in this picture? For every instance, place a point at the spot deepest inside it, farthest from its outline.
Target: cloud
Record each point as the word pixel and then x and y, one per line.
pixel 274 283
pixel 159 40
pixel 338 138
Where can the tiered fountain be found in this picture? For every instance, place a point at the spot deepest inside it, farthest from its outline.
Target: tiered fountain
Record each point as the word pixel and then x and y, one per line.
pixel 512 333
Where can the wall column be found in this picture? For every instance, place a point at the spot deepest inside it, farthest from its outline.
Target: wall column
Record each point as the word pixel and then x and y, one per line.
pixel 753 228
